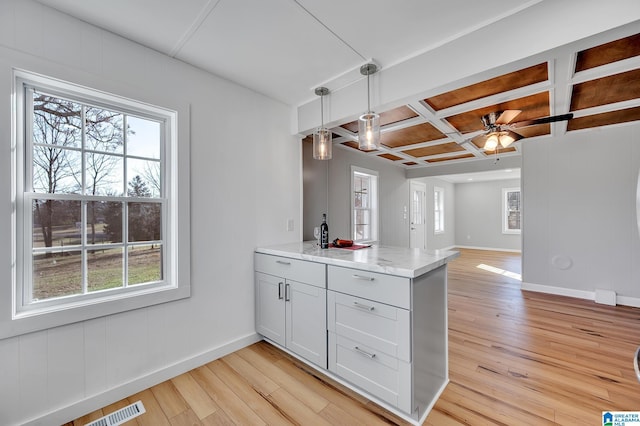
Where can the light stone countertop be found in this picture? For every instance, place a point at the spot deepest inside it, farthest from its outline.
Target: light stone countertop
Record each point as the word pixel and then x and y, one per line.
pixel 400 261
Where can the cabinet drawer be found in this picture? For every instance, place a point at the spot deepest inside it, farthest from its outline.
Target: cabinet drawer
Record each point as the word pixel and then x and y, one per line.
pixel 383 288
pixel 381 375
pixel 292 269
pixel 382 327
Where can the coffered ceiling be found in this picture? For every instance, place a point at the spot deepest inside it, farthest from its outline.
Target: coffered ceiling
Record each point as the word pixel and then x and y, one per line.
pixel 602 89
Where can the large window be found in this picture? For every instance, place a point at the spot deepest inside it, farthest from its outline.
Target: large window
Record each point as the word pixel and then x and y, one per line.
pixel 364 204
pixel 511 210
pixel 438 210
pixel 95 188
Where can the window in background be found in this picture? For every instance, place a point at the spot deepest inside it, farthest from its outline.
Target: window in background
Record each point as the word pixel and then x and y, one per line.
pixel 511 210
pixel 438 210
pixel 364 204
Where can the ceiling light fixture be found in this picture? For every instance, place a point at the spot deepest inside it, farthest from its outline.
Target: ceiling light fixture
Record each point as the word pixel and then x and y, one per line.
pixel 369 122
pixel 322 137
pixel 503 138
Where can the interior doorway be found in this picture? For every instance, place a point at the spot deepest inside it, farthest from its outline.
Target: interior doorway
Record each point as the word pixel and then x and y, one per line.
pixel 418 215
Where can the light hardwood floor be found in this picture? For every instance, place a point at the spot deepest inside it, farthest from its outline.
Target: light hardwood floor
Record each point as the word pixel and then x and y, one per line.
pixel 515 358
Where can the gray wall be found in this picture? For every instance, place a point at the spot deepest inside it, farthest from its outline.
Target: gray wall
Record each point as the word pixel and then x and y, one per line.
pixel 244 188
pixel 393 189
pixel 315 181
pixel 580 224
pixel 478 215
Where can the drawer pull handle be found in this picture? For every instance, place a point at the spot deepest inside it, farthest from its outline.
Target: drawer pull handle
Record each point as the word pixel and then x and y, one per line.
pixel 282 262
pixel 365 353
pixel 361 306
pixel 362 277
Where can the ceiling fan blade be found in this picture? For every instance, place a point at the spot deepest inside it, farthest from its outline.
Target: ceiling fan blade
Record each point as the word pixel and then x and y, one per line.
pixel 543 120
pixel 479 140
pixel 507 116
pixel 514 135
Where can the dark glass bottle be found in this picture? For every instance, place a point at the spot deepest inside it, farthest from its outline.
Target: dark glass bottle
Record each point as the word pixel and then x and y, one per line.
pixel 324 233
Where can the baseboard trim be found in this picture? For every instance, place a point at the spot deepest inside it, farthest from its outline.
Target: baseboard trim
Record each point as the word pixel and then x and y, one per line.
pixel 559 291
pixel 628 301
pixel 580 294
pixel 489 248
pixel 109 396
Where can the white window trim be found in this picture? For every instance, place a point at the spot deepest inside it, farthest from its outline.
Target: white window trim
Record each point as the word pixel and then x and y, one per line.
pixel 375 215
pixel 437 189
pixel 505 228
pixel 20 319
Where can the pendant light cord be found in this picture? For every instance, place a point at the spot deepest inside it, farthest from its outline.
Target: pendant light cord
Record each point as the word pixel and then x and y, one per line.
pixel 368 95
pixel 321 112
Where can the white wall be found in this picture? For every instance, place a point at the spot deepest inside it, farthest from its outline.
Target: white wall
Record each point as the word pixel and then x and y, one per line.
pixel 479 215
pixel 579 213
pixel 245 184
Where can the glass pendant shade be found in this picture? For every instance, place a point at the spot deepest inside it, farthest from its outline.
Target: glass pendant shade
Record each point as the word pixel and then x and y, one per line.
pixel 322 144
pixel 369 122
pixel 369 131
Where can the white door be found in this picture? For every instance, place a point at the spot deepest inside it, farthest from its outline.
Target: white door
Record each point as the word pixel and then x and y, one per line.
pixel 418 215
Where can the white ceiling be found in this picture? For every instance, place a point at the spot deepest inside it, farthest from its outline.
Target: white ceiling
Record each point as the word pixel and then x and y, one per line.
pixel 286 48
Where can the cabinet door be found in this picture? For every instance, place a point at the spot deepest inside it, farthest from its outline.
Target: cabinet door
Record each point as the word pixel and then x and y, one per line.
pixel 307 321
pixel 270 309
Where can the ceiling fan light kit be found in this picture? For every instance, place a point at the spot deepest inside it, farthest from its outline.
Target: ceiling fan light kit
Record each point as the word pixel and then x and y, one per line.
pixel 498 128
pixel 369 122
pixel 322 138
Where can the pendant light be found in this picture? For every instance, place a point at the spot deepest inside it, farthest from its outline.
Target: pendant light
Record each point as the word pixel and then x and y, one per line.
pixel 369 122
pixel 322 137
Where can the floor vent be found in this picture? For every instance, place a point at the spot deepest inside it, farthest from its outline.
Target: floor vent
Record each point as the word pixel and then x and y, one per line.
pixel 122 415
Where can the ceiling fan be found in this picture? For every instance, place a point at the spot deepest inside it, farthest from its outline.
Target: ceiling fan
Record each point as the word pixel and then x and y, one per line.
pixel 498 129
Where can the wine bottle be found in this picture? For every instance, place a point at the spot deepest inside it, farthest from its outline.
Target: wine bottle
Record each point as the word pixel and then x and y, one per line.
pixel 324 233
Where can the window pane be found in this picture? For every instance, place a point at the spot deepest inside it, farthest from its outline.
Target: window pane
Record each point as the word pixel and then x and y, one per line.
pixel 56 121
pixel 104 174
pixel 144 263
pixel 362 217
pixel 104 130
pixel 144 178
pixel 56 223
pixel 144 221
pixel 111 212
pixel 362 232
pixel 56 170
pixel 96 222
pixel 513 220
pixel 143 137
pixel 104 269
pixel 57 274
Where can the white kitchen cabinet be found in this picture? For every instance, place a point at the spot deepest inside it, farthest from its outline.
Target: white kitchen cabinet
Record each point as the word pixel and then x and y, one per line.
pixel 290 312
pixel 385 318
pixel 387 335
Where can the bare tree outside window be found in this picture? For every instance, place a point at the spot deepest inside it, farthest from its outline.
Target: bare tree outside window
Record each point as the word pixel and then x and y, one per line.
pixel 79 150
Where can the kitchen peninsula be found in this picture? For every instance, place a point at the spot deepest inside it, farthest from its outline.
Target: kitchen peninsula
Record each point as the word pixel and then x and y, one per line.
pixel 374 318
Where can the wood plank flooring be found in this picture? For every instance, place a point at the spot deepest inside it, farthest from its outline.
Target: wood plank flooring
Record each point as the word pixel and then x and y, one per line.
pixel 515 358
